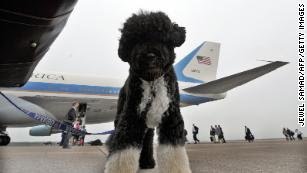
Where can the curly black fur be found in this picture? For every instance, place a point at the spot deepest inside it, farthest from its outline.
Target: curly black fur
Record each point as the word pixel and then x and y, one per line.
pixel 147 43
pixel 149 27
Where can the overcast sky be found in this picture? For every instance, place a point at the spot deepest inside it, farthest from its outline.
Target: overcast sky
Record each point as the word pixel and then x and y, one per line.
pixel 247 31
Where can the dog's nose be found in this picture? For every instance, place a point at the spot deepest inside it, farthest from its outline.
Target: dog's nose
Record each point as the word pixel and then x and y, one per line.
pixel 151 55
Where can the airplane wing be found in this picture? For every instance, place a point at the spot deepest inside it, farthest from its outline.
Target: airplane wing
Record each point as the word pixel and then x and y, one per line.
pixel 227 83
pixel 11 115
pixel 28 28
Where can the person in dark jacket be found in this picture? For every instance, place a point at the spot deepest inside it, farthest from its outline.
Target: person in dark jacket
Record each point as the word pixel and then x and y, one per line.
pixel 290 134
pixel 221 135
pixel 195 132
pixel 70 118
pixel 248 135
pixel 284 131
pixel 212 134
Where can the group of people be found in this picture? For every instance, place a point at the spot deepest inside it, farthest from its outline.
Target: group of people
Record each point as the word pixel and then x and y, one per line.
pixel 73 120
pixel 217 131
pixel 217 134
pixel 289 134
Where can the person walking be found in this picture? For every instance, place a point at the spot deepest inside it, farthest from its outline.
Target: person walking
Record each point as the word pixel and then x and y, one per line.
pixel 221 136
pixel 212 134
pixel 290 134
pixel 195 132
pixel 218 133
pixel 70 118
pixel 248 135
pixel 284 132
pixel 299 134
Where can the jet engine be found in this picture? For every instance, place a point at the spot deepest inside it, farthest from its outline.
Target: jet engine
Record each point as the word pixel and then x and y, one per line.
pixel 41 130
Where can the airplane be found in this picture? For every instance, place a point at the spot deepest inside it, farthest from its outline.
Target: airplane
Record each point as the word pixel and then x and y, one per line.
pixel 28 29
pixel 51 94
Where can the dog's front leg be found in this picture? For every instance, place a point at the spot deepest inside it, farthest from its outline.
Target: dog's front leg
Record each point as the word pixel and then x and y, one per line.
pixel 125 147
pixel 147 160
pixel 171 153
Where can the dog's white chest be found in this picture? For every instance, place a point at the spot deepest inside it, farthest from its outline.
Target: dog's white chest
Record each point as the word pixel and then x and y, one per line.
pixel 155 101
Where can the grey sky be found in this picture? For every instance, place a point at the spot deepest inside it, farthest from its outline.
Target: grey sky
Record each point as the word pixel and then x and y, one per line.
pixel 247 31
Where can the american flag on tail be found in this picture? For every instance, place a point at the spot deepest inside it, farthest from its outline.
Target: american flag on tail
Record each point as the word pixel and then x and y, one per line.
pixel 204 60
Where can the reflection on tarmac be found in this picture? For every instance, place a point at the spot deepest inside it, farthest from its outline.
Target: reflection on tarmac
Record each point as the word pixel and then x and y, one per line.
pixel 260 156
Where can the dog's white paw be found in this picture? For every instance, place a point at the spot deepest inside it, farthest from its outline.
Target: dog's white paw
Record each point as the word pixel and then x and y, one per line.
pixel 123 161
pixel 172 159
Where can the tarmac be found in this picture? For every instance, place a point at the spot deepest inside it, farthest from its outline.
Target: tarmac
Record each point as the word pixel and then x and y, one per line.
pixel 265 156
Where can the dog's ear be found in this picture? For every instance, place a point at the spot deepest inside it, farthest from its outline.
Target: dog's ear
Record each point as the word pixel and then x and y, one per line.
pixel 123 53
pixel 178 35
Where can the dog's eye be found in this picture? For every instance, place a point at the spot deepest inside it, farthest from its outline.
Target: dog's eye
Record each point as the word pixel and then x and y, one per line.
pixel 155 52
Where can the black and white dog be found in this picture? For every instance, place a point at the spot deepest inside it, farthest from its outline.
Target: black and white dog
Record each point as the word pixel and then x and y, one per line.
pixel 149 99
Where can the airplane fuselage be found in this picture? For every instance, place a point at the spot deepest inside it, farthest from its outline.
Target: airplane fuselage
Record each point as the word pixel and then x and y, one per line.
pixel 55 93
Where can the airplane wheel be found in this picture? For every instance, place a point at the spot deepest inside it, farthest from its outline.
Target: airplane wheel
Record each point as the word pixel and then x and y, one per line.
pixel 4 140
pixel 1 140
pixel 7 140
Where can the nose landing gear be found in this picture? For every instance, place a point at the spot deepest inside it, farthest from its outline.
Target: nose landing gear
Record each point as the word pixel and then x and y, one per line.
pixel 4 139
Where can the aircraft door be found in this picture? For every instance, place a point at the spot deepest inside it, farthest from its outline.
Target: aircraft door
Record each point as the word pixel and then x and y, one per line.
pixel 82 112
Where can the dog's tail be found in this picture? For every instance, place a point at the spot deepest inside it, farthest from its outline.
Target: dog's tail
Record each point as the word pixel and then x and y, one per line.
pixel 199 66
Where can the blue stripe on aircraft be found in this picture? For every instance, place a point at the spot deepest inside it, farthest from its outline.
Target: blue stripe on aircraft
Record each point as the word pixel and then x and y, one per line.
pixel 180 66
pixel 72 88
pixel 103 90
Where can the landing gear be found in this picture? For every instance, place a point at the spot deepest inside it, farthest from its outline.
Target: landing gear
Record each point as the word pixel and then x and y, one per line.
pixel 4 140
pixel 4 137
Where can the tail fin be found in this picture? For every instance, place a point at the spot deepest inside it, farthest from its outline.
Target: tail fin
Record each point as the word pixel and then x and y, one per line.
pixel 199 66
